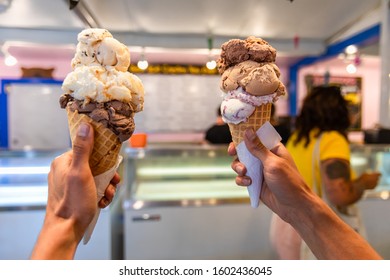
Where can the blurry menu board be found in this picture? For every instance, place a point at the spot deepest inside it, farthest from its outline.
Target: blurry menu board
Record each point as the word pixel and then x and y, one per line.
pixel 178 103
pixel 35 119
pixel 351 88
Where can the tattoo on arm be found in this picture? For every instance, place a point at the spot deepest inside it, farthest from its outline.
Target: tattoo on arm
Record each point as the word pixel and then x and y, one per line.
pixel 338 170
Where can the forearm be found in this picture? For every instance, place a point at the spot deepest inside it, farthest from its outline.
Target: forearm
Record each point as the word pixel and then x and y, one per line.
pixel 327 235
pixel 56 241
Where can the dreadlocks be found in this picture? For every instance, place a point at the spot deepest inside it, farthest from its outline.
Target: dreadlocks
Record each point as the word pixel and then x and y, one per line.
pixel 324 108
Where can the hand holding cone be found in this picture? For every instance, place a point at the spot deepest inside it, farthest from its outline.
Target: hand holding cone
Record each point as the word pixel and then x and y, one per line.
pixel 250 79
pixel 102 92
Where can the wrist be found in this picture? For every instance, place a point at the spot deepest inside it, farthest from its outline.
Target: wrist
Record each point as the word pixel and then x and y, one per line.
pixel 57 239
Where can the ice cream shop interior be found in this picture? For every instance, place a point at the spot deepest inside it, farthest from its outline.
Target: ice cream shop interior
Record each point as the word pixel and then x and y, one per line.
pixel 183 62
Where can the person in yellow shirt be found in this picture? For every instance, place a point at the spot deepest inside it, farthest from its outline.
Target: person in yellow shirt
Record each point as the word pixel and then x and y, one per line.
pixel 320 149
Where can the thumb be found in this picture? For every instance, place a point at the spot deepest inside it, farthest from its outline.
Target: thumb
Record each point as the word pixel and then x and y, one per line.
pixel 82 145
pixel 254 145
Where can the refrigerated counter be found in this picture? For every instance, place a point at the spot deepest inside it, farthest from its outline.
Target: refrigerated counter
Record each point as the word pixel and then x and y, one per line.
pixel 375 204
pixel 23 196
pixel 181 202
pixel 175 202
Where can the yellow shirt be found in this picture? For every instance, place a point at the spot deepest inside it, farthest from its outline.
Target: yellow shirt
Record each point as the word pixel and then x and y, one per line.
pixel 333 145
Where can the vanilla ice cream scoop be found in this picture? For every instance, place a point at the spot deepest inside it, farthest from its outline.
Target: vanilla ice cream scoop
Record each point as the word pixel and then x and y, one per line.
pixel 87 44
pixel 100 71
pixel 235 110
pixel 110 52
pixel 96 83
pixel 97 47
pixel 238 105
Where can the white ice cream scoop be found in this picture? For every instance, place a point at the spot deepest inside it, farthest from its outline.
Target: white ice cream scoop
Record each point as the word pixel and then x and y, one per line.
pixel 111 52
pixel 235 111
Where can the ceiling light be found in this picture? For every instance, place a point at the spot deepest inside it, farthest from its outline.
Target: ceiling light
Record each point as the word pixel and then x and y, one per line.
pixel 211 64
pixel 10 60
pixel 351 68
pixel 142 62
pixel 351 49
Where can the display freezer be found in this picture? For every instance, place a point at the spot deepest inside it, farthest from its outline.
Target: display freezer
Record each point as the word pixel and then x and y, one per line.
pixel 181 202
pixel 23 196
pixel 174 202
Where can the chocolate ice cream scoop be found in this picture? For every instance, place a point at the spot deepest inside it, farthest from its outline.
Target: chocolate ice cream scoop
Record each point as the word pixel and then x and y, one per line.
pixel 255 78
pixel 115 115
pixel 236 51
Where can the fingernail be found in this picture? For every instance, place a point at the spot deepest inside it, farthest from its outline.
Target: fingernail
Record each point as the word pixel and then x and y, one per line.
pixel 83 130
pixel 246 182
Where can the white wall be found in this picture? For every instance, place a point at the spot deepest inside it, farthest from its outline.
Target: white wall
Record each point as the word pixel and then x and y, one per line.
pixel 369 71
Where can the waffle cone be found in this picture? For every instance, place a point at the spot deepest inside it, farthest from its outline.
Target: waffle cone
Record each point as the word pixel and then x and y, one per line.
pixel 106 146
pixel 261 114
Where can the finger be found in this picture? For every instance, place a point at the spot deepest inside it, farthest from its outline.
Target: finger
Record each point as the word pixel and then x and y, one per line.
pixel 103 202
pixel 243 181
pixel 238 167
pixel 232 149
pixel 255 146
pixel 281 151
pixel 82 145
pixel 110 191
pixel 116 179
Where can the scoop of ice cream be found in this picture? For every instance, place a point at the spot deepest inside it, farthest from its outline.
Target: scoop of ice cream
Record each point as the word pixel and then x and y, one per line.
pixel 110 52
pixel 238 105
pixel 260 50
pixel 115 115
pixel 100 71
pixel 97 46
pixel 235 110
pixel 86 47
pixel 255 78
pixel 92 35
pixel 96 83
pixel 235 51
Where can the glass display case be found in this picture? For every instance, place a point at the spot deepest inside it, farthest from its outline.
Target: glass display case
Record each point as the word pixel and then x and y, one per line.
pixel 195 172
pixel 23 178
pixel 23 197
pixel 175 202
pixel 180 173
pixel 373 158
pixel 179 201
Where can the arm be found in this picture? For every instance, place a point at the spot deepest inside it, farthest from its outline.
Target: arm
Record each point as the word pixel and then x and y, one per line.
pixel 327 235
pixel 71 200
pixel 285 192
pixel 340 189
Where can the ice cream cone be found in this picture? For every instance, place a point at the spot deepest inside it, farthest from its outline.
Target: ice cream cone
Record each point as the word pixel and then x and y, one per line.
pixel 106 144
pixel 261 114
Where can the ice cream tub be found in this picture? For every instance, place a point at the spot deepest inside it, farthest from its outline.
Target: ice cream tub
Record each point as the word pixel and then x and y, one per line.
pixel 138 140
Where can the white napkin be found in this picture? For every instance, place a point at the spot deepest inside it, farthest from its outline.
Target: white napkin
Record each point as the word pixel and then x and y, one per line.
pixel 270 138
pixel 101 182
